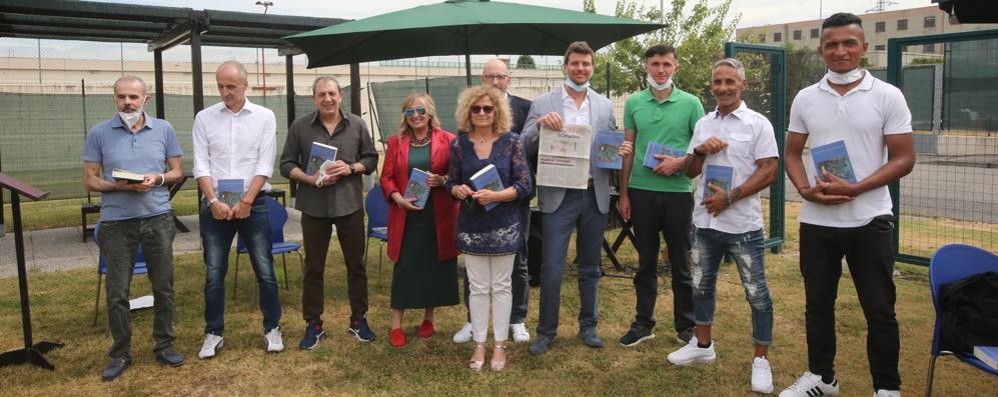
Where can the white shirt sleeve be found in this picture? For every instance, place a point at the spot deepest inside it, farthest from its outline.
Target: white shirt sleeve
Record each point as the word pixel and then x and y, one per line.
pixel 268 148
pixel 897 118
pixel 797 123
pixel 765 142
pixel 202 163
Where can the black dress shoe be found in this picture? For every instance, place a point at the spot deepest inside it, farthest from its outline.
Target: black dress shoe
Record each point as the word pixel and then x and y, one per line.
pixel 169 357
pixel 115 368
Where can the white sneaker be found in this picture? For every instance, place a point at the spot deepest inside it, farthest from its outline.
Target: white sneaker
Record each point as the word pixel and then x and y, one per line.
pixel 762 376
pixel 212 344
pixel 464 335
pixel 520 334
pixel 887 393
pixel 274 342
pixel 809 385
pixel 691 353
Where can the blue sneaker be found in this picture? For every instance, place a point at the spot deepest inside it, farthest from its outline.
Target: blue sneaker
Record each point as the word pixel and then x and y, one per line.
pixel 313 334
pixel 360 330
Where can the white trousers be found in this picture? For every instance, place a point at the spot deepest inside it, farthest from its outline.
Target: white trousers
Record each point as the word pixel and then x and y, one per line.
pixel 489 275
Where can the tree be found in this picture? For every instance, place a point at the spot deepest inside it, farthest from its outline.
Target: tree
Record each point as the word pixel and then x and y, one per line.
pixel 525 62
pixel 698 32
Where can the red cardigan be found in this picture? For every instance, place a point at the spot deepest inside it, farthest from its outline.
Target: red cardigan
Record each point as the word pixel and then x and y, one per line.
pixel 394 178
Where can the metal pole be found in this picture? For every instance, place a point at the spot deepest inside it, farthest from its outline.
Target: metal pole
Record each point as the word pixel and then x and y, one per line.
pixel 661 20
pixel 197 80
pixel 121 54
pixel 157 60
pixel 355 88
pixel 39 61
pixel 289 74
pixel 22 273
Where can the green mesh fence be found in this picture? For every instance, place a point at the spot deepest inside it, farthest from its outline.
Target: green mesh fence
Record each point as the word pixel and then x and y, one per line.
pixel 949 197
pixel 389 95
pixel 42 135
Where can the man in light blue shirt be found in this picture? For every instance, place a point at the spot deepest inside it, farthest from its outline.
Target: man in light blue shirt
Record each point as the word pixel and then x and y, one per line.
pixel 135 215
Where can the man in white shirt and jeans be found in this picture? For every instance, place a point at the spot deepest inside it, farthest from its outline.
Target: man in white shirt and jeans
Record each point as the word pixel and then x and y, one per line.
pixel 235 139
pixel 729 219
pixel 852 220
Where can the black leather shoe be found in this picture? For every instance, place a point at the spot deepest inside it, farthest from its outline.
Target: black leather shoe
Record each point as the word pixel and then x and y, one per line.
pixel 589 338
pixel 169 357
pixel 115 368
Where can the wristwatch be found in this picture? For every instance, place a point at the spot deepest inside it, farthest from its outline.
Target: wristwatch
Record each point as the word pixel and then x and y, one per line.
pixel 353 170
pixel 212 202
pixel 698 153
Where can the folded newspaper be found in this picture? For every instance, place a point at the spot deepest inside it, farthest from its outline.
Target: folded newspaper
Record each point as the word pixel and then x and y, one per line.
pixel 563 157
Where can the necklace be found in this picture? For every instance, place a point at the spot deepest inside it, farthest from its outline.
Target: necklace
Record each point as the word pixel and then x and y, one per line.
pixel 481 138
pixel 420 141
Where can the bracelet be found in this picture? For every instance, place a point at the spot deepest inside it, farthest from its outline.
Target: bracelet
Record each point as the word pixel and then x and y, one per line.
pixel 318 181
pixel 727 198
pixel 162 180
pixel 698 153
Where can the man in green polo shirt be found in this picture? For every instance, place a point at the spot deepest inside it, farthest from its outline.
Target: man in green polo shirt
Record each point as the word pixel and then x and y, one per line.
pixel 655 194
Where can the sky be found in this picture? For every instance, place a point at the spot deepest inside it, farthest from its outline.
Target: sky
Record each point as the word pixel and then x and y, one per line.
pixel 753 13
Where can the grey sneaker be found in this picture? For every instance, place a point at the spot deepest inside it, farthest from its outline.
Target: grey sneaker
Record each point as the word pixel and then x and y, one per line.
pixel 541 345
pixel 589 338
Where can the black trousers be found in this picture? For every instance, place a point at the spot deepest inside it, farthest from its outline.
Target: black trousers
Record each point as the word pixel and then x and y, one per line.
pixel 869 252
pixel 670 214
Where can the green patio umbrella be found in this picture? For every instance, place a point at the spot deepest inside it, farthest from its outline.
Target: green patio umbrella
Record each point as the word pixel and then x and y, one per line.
pixel 466 27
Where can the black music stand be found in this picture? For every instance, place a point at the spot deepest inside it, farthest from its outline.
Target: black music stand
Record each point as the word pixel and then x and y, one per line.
pixel 31 353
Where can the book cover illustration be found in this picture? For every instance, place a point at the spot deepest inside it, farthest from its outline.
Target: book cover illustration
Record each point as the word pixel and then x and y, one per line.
pixel 230 191
pixel 988 355
pixel 834 158
pixel 717 175
pixel 487 178
pixel 607 148
pixel 318 156
pixel 131 177
pixel 418 187
pixel 655 148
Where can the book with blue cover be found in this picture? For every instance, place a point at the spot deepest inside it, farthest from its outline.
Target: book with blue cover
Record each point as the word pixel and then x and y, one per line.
pixel 655 148
pixel 607 150
pixel 418 187
pixel 230 191
pixel 717 175
pixel 988 355
pixel 834 158
pixel 487 178
pixel 318 156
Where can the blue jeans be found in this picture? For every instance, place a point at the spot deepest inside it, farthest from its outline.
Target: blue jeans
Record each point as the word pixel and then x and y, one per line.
pixel 216 241
pixel 709 247
pixel 578 211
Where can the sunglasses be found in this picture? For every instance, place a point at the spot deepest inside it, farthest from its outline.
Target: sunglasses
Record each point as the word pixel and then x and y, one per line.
pixel 412 112
pixel 475 109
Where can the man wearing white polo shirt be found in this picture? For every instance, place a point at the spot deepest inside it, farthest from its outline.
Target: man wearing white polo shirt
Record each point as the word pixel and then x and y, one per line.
pixel 847 219
pixel 727 218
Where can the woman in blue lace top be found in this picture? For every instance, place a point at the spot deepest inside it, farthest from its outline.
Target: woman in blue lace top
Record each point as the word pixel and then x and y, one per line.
pixel 488 224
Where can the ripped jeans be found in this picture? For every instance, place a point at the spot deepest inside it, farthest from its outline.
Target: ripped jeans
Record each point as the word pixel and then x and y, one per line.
pixel 709 247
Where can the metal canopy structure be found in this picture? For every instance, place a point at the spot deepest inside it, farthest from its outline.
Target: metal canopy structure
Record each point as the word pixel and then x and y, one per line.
pixel 161 28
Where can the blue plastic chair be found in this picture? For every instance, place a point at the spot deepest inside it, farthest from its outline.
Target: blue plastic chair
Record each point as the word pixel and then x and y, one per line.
pixel 951 263
pixel 140 268
pixel 377 221
pixel 278 217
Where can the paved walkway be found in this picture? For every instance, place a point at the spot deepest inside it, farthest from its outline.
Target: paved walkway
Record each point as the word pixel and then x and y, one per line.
pixel 60 249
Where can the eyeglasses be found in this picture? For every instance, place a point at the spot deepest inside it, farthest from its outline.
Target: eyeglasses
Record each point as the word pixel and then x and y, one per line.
pixel 475 109
pixel 412 112
pixel 490 77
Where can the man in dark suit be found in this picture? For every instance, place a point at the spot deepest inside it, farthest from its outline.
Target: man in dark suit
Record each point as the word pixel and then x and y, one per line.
pixel 495 73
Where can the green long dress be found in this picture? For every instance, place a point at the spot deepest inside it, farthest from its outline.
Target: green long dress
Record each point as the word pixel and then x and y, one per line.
pixel 420 279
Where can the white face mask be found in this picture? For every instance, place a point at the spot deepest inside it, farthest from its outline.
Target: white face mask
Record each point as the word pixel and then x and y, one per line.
pixel 576 87
pixel 657 86
pixel 131 119
pixel 849 77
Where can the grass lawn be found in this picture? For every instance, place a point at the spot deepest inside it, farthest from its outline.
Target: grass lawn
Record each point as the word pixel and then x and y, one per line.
pixel 62 310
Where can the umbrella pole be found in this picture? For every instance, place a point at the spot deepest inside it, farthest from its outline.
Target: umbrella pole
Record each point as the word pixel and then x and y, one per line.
pixel 467 58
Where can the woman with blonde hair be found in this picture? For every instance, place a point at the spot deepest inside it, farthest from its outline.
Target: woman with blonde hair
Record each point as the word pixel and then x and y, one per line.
pixel 488 235
pixel 421 241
